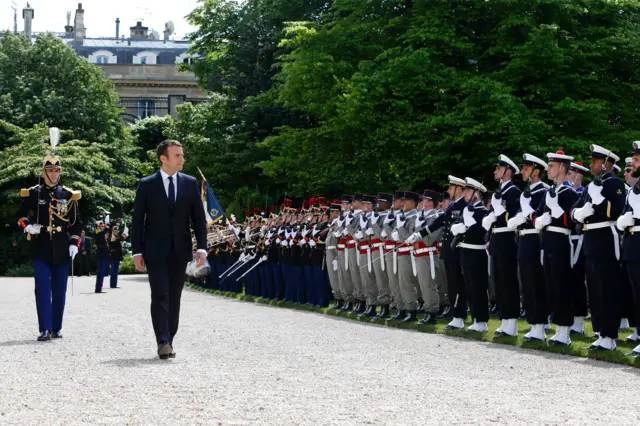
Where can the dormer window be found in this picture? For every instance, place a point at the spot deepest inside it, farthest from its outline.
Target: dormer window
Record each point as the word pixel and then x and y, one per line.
pixel 143 60
pixel 102 60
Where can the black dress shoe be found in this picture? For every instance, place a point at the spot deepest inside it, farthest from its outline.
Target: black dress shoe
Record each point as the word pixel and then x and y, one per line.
pixel 347 306
pixel 532 339
pixel 400 314
pixel 411 317
pixel 384 312
pixel 446 313
pixel 360 307
pixel 428 319
pixel 98 291
pixel 337 305
pixel 56 334
pixel 44 336
pixel 557 343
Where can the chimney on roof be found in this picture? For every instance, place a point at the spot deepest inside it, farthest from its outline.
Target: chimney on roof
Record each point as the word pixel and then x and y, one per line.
pixel 117 27
pixel 79 31
pixel 139 32
pixel 27 15
pixel 68 29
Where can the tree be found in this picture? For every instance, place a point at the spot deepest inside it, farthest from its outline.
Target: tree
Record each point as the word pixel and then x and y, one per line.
pixel 48 81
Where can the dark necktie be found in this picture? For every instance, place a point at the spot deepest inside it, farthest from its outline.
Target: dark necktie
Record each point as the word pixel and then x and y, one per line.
pixel 172 193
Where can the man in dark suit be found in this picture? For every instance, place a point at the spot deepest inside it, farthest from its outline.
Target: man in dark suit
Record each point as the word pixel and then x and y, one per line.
pixel 160 238
pixel 82 261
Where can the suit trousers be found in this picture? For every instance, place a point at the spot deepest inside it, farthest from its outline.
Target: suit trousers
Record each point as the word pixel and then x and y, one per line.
pixel 474 268
pixel 604 269
pixel 166 278
pixel 50 291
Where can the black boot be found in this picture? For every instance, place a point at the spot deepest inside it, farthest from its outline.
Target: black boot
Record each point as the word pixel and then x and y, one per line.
pixel 360 308
pixel 355 308
pixel 399 315
pixel 347 306
pixel 44 336
pixel 56 334
pixel 366 312
pixel 446 312
pixel 428 319
pixel 384 312
pixel 411 317
pixel 337 305
pixel 372 312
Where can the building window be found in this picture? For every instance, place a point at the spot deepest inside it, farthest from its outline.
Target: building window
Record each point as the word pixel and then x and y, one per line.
pixel 146 58
pixel 146 109
pixel 143 60
pixel 102 60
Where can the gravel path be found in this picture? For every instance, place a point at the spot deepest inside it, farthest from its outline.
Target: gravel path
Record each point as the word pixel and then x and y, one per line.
pixel 244 363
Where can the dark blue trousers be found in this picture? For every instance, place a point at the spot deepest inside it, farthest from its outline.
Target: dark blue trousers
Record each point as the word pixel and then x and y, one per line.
pixel 309 286
pixel 115 268
pixel 266 281
pixel 51 290
pixel 278 281
pixel 298 282
pixel 102 266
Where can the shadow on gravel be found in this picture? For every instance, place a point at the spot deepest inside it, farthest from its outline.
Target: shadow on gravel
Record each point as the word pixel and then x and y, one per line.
pixel 135 362
pixel 133 277
pixel 20 343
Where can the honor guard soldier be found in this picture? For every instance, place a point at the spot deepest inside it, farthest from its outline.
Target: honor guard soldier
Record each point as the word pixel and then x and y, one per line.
pixel 598 209
pixel 343 258
pixel 332 260
pixel 407 272
pixel 505 204
pixel 531 271
pixel 577 172
pixel 553 219
pixel 384 202
pixel 451 254
pixel 353 255
pixel 629 223
pixel 391 254
pixel 49 215
pixel 367 274
pixel 429 266
pixel 629 176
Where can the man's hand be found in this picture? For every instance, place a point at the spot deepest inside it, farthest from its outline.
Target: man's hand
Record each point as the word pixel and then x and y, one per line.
pixel 201 257
pixel 139 262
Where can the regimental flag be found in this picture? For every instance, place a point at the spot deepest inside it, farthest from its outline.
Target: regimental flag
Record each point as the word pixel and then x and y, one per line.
pixel 212 209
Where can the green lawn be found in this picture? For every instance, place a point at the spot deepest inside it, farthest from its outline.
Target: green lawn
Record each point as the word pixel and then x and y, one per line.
pixel 578 346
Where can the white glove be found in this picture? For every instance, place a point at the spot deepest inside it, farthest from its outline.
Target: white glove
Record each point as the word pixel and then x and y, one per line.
pixel 488 220
pixel 267 242
pixel 595 192
pixel 359 235
pixel 73 250
pixel 395 236
pixel 458 228
pixel 416 236
pixel 584 212
pixel 335 265
pixel 369 231
pixel 498 208
pixel 278 241
pixel 345 232
pixel 543 221
pixel 106 220
pixel 263 258
pixel 363 221
pixel 514 222
pixel 467 217
pixel 312 243
pixel 634 202
pixel 383 234
pixel 525 205
pixel 552 203
pixel 302 242
pixel 284 243
pixel 242 257
pixel 315 232
pixel 247 235
pixel 625 221
pixel 337 234
pixel 304 232
pixel 33 229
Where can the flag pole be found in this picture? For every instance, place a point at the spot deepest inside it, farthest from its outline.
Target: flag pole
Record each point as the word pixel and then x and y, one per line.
pixel 201 174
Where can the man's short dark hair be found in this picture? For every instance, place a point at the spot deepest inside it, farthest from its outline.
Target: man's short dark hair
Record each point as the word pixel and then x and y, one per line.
pixel 164 146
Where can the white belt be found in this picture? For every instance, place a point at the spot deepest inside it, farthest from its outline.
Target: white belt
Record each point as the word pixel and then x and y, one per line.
pixel 529 231
pixel 351 242
pixel 341 246
pixel 634 229
pixel 404 249
pixel 472 246
pixel 389 247
pixel 331 247
pixel 378 245
pixel 599 225
pixel 503 229
pixel 425 250
pixel 558 230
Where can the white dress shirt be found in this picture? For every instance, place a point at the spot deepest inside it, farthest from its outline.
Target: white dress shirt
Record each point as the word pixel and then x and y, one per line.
pixel 165 182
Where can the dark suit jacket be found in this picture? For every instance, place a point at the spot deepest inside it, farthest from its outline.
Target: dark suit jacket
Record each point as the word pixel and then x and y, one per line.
pixel 155 227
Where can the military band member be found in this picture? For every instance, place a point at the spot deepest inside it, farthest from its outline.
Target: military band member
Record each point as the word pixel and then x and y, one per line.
pixel 102 252
pixel 49 215
pixel 429 266
pixel 407 273
pixel 115 253
pixel 535 298
pixel 553 219
pixel 505 204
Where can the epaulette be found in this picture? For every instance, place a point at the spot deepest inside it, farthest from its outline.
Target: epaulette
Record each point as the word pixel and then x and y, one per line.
pixel 75 194
pixel 24 192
